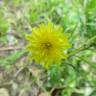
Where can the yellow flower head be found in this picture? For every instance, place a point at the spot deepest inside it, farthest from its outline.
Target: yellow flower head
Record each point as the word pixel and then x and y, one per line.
pixel 48 44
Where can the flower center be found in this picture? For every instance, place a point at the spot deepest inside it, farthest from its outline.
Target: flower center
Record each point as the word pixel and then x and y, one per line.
pixel 47 45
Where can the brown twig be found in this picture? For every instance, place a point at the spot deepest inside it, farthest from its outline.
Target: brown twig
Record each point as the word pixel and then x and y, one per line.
pixel 19 71
pixel 10 48
pixel 6 84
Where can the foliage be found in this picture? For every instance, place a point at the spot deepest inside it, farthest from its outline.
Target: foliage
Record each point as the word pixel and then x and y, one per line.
pixel 77 18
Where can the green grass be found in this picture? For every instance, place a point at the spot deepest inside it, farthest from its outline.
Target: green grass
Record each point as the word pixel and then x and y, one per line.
pixel 78 19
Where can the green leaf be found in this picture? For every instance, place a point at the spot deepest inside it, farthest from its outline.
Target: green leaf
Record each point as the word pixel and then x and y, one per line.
pixel 3 22
pixel 12 58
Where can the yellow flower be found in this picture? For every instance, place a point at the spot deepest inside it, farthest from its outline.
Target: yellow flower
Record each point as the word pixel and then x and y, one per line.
pixel 48 44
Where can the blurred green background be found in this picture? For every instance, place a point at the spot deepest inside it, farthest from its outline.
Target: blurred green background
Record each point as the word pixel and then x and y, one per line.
pixel 76 76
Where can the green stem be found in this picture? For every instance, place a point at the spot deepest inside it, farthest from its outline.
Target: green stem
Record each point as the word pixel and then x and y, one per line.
pixel 84 46
pixel 91 39
pixel 86 61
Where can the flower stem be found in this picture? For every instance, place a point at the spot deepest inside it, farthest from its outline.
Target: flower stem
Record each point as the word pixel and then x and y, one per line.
pixel 83 47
